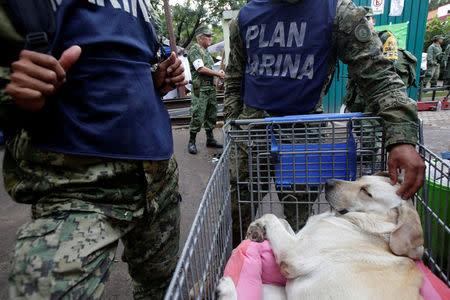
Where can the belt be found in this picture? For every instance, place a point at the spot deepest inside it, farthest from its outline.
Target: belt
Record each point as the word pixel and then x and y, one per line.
pixel 208 82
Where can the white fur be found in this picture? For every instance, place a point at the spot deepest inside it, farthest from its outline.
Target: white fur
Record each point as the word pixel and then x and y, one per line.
pixel 347 256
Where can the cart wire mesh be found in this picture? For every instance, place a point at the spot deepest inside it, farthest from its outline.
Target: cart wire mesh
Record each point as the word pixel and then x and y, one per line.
pixel 280 180
pixel 208 245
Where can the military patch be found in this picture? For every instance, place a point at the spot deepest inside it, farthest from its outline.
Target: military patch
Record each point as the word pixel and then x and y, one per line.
pixel 363 33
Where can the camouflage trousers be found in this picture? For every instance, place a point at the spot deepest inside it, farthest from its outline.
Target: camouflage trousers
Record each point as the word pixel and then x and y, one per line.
pixel 81 208
pixel 432 75
pixel 203 109
pixel 242 191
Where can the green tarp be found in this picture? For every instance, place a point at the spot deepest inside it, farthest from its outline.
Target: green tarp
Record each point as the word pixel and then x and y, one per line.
pixel 400 31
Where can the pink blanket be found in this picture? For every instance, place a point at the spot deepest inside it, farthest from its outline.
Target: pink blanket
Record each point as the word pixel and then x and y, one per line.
pixel 253 264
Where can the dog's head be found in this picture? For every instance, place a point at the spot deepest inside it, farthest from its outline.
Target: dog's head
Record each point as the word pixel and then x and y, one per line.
pixel 376 196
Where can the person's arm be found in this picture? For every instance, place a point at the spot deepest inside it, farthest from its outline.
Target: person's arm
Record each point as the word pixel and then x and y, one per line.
pixel 430 55
pixel 233 102
pixel 384 94
pixel 207 71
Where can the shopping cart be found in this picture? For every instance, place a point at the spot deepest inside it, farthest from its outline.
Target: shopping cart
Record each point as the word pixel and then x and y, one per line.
pixel 279 165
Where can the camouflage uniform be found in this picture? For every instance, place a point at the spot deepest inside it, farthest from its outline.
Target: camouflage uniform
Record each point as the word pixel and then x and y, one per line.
pixel 433 66
pixel 81 206
pixel 404 64
pixel 203 98
pixel 383 90
pixel 447 65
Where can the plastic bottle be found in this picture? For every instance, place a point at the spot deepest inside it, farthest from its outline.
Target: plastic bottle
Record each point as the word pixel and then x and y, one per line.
pixel 439 106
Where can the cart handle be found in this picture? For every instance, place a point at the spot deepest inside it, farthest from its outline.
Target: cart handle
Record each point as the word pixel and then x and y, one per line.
pixel 311 117
pixel 314 117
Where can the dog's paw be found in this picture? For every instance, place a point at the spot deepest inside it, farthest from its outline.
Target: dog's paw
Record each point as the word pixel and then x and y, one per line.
pixel 225 289
pixel 256 232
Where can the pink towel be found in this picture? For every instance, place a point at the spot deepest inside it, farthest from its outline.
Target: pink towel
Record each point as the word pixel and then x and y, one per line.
pixel 253 264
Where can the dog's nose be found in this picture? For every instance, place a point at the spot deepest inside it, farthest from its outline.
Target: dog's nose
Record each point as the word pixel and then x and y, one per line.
pixel 330 183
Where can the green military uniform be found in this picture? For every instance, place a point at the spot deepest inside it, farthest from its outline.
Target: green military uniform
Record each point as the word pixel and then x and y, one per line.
pixel 203 97
pixel 81 207
pixel 446 62
pixel 383 89
pixel 433 67
pixel 403 61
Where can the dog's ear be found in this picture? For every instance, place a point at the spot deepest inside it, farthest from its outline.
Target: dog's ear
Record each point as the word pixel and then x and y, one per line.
pixel 407 237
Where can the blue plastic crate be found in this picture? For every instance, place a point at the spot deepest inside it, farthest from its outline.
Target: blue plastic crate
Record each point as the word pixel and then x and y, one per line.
pixel 322 162
pixel 313 164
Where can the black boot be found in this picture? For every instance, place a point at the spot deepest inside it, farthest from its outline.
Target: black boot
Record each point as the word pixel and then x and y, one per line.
pixel 211 141
pixel 191 146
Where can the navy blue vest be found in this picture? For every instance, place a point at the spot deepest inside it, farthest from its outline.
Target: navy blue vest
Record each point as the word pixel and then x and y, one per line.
pixel 287 48
pixel 108 107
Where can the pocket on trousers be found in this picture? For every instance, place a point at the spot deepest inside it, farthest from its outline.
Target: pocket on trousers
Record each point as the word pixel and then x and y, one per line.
pixel 38 228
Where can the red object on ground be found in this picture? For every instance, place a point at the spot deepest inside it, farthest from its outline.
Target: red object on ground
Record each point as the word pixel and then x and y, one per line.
pixel 432 105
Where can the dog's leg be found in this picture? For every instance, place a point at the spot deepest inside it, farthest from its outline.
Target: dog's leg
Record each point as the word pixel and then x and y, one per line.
pixel 281 239
pixel 225 289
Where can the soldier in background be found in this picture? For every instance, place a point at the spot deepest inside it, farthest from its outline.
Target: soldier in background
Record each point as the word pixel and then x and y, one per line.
pixel 203 97
pixel 434 55
pixel 282 61
pixel 446 62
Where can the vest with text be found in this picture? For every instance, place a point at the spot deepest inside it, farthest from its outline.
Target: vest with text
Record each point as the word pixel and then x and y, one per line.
pixel 109 106
pixel 287 50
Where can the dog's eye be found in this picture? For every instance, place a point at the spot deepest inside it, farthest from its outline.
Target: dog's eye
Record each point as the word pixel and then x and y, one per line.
pixel 365 191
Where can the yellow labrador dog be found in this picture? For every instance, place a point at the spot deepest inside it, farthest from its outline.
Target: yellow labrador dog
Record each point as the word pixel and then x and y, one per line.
pixel 363 249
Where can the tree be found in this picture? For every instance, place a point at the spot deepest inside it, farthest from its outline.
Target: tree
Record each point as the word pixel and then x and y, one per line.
pixel 435 4
pixel 436 27
pixel 187 18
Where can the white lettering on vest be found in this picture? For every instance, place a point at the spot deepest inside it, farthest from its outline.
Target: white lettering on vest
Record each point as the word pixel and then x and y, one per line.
pixel 299 36
pixel 144 6
pixel 308 68
pixel 285 35
pixel 126 5
pixel 278 65
pixel 266 64
pixel 281 65
pixel 290 66
pixel 278 35
pixel 252 33
pixel 262 43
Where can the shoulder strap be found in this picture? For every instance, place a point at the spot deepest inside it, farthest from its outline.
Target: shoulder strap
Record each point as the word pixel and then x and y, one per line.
pixel 35 20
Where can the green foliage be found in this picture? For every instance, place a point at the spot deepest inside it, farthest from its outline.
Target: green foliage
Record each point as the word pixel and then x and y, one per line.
pixel 188 17
pixel 434 4
pixel 436 27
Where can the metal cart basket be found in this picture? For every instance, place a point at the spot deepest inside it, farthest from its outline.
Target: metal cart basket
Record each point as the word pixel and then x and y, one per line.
pixel 279 165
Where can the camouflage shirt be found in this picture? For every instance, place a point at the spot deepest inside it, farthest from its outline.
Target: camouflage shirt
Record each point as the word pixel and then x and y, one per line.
pixel 433 52
pixel 198 52
pixel 384 91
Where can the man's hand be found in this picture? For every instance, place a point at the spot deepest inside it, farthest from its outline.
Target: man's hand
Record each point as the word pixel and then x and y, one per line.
pixel 405 156
pixel 36 75
pixel 169 74
pixel 221 74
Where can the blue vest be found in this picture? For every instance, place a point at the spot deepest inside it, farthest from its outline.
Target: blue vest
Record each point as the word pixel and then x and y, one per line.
pixel 287 49
pixel 108 107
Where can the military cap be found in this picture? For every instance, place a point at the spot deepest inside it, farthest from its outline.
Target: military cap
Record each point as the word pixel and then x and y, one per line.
pixel 369 11
pixel 204 30
pixel 436 37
